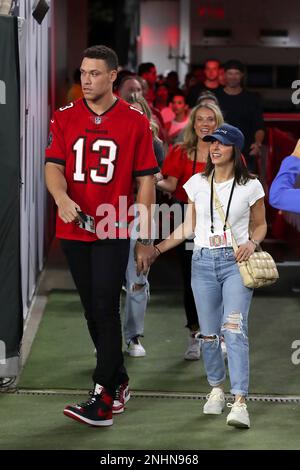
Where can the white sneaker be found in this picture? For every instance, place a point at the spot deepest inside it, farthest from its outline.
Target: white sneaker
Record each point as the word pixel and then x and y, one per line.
pixel 238 416
pixel 193 350
pixel 215 402
pixel 224 350
pixel 134 348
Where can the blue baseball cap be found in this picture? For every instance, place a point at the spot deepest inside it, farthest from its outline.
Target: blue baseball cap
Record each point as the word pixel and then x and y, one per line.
pixel 227 135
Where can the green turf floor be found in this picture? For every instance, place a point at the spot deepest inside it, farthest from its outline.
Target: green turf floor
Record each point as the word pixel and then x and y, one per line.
pixel 37 422
pixel 62 354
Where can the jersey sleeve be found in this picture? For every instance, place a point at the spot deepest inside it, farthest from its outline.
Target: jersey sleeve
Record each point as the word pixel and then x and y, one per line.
pixel 55 151
pixel 256 192
pixel 145 161
pixel 173 164
pixel 283 195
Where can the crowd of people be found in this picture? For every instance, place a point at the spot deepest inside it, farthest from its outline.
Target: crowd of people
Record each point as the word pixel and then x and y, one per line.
pixel 141 135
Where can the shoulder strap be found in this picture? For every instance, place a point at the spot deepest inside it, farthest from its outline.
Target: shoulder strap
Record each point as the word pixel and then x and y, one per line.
pixel 219 208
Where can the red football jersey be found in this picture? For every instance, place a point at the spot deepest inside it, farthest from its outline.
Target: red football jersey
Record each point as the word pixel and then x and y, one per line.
pixel 102 154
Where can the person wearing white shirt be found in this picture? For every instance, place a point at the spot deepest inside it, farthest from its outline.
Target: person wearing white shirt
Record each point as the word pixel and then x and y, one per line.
pixel 222 300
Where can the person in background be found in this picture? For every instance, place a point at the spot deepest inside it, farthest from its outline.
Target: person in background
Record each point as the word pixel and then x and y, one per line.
pixel 155 112
pixel 172 81
pixel 242 109
pixel 129 85
pixel 283 194
pixel 211 72
pixel 207 97
pixel 162 103
pixel 210 83
pixel 183 161
pixel 137 287
pixel 221 76
pixel 222 300
pixel 147 71
pixel 75 92
pixel 181 112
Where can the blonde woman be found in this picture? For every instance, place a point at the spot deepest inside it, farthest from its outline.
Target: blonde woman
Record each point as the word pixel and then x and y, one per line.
pixel 182 162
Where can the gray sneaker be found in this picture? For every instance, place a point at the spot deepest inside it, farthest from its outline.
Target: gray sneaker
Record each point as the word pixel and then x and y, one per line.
pixel 215 402
pixel 193 350
pixel 238 416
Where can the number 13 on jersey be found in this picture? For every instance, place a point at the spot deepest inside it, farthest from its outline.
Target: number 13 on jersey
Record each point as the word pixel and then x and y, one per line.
pixel 107 154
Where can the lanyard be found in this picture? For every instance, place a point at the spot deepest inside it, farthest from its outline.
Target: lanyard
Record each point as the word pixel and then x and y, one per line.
pixel 211 204
pixel 194 162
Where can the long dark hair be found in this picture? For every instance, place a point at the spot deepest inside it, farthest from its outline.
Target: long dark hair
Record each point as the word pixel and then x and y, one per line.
pixel 241 172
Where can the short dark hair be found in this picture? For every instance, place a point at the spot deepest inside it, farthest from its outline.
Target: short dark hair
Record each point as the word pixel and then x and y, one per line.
pixel 103 53
pixel 178 93
pixel 212 59
pixel 234 64
pixel 145 67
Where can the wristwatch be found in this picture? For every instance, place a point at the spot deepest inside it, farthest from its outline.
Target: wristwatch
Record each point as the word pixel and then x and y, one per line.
pixel 145 241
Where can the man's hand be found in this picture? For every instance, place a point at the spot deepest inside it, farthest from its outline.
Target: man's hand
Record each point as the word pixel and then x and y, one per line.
pixel 245 251
pixel 67 209
pixel 145 255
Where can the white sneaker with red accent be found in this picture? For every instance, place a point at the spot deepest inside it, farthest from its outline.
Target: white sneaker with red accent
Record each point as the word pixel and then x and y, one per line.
pixel 121 397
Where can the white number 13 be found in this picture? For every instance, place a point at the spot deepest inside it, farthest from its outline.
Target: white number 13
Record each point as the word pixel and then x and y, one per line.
pixel 107 151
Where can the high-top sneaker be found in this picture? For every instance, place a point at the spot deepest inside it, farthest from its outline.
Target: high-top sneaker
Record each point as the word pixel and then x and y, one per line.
pixel 121 397
pixel 97 411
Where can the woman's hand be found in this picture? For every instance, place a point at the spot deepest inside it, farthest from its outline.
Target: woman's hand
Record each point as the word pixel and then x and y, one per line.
pixel 158 177
pixel 245 251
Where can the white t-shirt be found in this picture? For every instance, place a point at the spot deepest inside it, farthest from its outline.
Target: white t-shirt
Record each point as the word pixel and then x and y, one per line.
pixel 244 196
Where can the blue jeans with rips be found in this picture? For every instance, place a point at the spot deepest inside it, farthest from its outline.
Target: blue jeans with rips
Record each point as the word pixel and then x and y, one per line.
pixel 223 304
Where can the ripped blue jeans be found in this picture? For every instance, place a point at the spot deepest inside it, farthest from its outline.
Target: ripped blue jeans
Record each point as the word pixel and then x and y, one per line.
pixel 223 304
pixel 136 299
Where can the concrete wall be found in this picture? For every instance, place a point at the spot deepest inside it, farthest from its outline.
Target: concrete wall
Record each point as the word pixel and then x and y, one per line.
pixel 159 34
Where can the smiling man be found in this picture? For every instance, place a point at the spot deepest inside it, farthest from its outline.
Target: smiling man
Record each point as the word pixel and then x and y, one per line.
pixel 98 146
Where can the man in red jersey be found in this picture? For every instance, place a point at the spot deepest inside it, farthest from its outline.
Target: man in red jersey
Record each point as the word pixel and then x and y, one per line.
pixel 98 146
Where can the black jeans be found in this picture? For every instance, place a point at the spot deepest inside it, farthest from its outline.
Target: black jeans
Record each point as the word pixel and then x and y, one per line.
pixel 98 269
pixel 185 258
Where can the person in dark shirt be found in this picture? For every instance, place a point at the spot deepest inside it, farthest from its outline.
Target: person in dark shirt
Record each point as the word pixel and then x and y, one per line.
pixel 211 82
pixel 242 109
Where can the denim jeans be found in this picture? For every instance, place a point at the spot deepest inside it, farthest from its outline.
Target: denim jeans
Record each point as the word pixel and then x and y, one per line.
pixel 136 300
pixel 223 304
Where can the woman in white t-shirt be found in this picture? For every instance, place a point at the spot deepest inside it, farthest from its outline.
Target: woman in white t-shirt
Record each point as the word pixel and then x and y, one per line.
pixel 222 300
